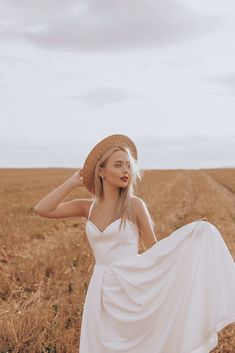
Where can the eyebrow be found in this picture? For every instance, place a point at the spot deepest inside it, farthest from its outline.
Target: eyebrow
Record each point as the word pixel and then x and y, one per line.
pixel 121 162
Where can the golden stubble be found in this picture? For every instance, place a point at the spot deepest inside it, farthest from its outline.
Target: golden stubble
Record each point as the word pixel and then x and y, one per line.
pixel 46 264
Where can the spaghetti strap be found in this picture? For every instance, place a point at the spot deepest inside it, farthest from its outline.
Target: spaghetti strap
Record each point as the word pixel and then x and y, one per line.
pixel 91 206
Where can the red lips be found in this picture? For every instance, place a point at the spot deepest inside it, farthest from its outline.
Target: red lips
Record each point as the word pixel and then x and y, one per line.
pixel 125 178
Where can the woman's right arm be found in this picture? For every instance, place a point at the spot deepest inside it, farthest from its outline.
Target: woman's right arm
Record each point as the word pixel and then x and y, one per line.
pixel 51 207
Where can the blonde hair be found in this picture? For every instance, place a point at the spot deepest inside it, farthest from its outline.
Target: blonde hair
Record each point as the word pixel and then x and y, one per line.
pixel 123 210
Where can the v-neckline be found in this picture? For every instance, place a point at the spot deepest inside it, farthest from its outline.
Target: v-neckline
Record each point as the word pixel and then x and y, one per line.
pixel 88 220
pixel 102 231
pixel 109 225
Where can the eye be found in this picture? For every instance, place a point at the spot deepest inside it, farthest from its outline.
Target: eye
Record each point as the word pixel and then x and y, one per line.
pixel 119 165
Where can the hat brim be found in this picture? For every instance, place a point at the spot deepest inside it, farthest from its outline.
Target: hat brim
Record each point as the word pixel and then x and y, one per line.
pixel 95 154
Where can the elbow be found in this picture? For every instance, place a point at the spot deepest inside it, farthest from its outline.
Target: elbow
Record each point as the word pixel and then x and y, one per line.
pixel 35 209
pixel 39 212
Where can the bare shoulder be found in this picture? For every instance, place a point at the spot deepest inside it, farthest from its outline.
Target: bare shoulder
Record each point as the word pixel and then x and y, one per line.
pixel 140 209
pixel 145 222
pixel 138 205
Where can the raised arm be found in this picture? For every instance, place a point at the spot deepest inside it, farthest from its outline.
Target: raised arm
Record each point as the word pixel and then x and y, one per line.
pixel 52 207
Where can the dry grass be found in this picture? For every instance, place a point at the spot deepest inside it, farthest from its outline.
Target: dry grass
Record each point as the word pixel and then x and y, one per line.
pixel 46 264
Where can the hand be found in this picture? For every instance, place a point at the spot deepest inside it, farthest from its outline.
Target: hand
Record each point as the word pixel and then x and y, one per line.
pixel 201 219
pixel 77 177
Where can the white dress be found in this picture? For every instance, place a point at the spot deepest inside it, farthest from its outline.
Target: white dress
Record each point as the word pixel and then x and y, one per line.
pixel 172 298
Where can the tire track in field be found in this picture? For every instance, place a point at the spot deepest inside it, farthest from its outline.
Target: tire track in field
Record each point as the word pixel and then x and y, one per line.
pixel 178 201
pixel 213 198
pixel 186 195
pixel 216 203
pixel 169 199
pixel 230 195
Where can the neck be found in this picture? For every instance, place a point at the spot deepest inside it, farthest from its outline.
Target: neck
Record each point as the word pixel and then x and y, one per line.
pixel 111 195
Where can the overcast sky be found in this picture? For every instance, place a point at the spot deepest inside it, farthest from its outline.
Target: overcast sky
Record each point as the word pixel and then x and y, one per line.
pixel 162 72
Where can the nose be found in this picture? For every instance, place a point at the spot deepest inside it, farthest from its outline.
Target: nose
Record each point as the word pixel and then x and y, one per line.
pixel 125 170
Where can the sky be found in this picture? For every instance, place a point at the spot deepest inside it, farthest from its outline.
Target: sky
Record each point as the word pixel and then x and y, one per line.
pixel 159 71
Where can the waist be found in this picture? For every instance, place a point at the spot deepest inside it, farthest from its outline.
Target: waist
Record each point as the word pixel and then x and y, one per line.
pixel 122 260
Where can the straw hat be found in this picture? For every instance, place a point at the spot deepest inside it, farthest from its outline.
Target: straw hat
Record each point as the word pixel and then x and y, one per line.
pixel 88 169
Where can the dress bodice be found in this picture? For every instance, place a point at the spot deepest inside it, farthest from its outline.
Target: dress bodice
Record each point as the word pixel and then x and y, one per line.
pixel 112 244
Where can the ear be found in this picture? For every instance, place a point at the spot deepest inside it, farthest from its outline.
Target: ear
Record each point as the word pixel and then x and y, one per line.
pixel 101 174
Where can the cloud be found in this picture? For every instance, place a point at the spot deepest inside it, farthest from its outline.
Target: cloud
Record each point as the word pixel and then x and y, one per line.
pixel 189 150
pixel 102 96
pixel 226 80
pixel 101 25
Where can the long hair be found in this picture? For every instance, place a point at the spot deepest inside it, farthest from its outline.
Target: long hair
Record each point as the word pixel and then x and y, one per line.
pixel 123 210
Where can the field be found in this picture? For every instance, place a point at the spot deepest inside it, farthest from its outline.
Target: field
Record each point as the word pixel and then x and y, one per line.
pixel 46 264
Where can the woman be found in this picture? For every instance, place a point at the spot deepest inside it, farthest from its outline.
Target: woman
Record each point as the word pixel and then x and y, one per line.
pixel 172 298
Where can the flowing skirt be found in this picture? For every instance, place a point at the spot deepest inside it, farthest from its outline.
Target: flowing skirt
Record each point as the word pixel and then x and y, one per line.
pixel 172 298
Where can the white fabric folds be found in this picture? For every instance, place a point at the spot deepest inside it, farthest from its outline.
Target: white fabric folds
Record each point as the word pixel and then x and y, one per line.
pixel 173 298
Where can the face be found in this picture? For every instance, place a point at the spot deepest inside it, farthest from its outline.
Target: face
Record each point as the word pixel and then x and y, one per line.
pixel 117 166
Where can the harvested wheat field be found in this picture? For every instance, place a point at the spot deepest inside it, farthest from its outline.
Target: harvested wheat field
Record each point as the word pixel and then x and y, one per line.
pixel 46 264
